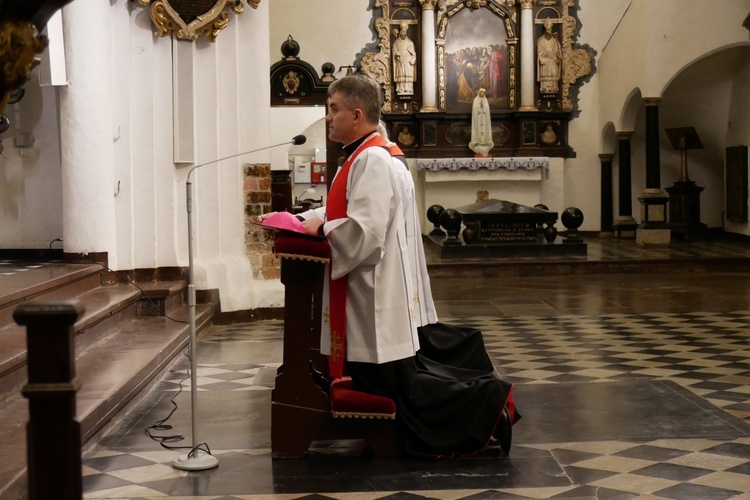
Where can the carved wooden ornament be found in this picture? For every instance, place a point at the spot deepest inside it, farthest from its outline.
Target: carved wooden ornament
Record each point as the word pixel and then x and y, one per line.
pixel 191 19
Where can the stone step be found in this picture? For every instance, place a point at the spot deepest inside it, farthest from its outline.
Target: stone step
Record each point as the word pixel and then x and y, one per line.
pixel 126 336
pixel 49 282
pixel 107 308
pixel 112 371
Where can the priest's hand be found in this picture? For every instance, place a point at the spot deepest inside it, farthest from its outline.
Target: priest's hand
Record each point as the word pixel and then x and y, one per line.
pixel 313 226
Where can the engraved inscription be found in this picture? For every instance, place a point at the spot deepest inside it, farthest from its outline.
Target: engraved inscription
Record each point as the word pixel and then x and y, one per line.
pixel 504 232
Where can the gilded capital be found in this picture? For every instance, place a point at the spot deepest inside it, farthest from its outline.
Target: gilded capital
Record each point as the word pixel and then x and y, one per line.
pixel 428 4
pixel 651 101
pixel 526 4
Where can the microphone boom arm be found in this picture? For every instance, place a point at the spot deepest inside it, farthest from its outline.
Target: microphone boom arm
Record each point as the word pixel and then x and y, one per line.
pixel 298 139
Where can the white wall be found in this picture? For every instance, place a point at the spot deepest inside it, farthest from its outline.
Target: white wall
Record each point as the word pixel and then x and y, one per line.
pixel 287 122
pixel 655 40
pixel 332 31
pixel 690 62
pixel 134 135
pixel 30 194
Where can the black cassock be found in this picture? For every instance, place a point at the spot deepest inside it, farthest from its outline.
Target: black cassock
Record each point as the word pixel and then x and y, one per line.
pixel 449 401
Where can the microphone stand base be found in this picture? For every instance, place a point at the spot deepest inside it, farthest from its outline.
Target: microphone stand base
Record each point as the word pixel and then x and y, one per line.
pixel 200 460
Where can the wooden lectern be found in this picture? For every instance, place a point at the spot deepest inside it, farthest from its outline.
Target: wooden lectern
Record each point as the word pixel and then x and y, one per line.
pixel 684 195
pixel 307 406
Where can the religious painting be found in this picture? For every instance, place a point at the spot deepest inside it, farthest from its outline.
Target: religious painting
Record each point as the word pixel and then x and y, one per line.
pixel 405 136
pixel 476 55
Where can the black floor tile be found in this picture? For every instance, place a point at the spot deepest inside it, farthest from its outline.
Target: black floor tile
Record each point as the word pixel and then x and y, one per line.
pixel 672 471
pixel 654 453
pixel 731 450
pixel 635 410
pixel 695 491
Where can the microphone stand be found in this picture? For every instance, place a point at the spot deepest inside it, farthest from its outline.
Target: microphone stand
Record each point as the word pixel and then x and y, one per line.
pixel 197 458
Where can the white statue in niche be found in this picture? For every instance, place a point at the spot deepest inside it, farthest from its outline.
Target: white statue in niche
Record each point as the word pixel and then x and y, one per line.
pixel 549 56
pixel 481 126
pixel 404 61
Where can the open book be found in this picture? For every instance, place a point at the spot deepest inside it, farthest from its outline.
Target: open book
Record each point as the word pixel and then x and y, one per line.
pixel 285 221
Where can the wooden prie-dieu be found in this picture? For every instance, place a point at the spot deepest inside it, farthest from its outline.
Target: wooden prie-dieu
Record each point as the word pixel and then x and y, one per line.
pixel 306 405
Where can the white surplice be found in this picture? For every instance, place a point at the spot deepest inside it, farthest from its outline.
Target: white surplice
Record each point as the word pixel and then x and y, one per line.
pixel 369 246
pixel 423 305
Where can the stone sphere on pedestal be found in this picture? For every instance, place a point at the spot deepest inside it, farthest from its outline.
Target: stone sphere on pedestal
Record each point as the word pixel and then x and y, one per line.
pixel 450 220
pixel 550 233
pixel 541 206
pixel 470 233
pixel 572 218
pixel 433 215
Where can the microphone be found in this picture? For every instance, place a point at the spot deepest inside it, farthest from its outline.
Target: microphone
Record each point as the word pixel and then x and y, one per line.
pixel 296 140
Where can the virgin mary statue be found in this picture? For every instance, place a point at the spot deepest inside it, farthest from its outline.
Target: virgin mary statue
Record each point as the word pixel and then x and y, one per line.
pixel 481 126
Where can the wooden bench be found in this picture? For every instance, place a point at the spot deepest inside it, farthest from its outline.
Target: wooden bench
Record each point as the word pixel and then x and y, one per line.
pixel 307 406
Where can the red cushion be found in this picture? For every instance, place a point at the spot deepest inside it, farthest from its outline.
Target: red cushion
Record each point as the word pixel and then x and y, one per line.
pixel 349 403
pixel 292 244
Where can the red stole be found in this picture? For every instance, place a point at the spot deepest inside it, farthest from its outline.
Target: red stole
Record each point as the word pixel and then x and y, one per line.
pixel 336 204
pixel 395 150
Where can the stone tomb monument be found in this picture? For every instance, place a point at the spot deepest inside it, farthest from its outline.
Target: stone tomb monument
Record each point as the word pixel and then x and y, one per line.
pixel 499 228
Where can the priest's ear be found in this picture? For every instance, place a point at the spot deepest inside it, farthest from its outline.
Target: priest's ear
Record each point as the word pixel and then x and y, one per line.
pixel 358 114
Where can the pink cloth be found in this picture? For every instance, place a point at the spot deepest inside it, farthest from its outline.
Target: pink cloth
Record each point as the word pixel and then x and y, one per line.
pixel 284 220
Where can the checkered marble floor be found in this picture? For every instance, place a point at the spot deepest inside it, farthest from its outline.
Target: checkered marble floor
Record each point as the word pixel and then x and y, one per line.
pixel 697 361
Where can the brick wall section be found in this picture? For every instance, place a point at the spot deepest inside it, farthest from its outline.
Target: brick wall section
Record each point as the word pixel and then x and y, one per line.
pixel 259 241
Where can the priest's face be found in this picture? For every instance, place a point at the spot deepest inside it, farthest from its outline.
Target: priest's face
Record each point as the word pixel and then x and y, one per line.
pixel 341 120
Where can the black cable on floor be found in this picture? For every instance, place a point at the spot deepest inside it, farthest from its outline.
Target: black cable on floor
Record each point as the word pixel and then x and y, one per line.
pixel 161 425
pixel 143 293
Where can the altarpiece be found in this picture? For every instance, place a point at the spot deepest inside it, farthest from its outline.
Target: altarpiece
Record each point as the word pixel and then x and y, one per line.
pixel 432 57
pixel 523 53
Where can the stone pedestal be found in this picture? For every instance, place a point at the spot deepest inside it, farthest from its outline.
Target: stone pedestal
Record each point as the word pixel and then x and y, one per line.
pixel 625 224
pixel 653 229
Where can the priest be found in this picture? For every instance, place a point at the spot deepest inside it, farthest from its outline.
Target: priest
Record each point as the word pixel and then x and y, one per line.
pixel 442 410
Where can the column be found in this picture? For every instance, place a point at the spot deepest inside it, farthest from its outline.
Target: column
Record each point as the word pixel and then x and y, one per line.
pixel 653 168
pixel 653 229
pixel 429 66
pixel 527 57
pixel 86 133
pixel 624 222
pixel 607 217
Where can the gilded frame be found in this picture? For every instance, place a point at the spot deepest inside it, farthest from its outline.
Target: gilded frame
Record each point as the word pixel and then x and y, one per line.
pixel 181 17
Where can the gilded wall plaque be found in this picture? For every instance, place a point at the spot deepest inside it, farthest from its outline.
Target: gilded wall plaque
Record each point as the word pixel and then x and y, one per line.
pixel 190 19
